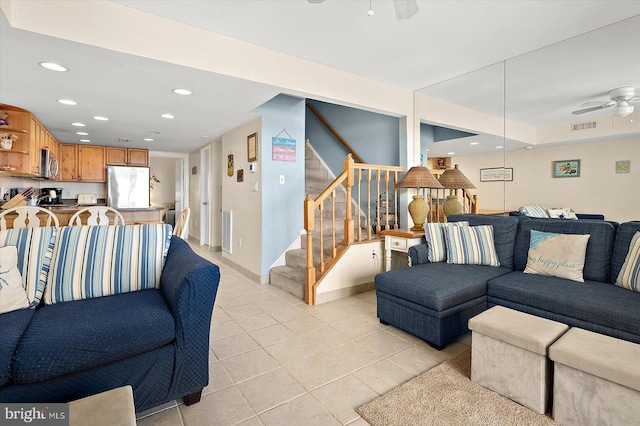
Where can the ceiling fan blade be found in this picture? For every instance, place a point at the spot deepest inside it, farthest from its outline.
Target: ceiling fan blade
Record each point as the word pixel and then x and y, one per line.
pixel 593 103
pixel 405 9
pixel 594 108
pixel 634 99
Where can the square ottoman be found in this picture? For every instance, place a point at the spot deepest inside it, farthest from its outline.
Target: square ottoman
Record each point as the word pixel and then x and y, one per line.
pixel 509 355
pixel 596 379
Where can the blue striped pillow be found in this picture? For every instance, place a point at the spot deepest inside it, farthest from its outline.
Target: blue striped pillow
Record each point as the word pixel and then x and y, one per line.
pixel 471 245
pixel 95 261
pixel 629 276
pixel 35 250
pixel 436 244
pixel 534 211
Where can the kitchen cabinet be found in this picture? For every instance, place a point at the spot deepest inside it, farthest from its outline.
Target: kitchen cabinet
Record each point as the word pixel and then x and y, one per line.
pixel 82 163
pixel 92 164
pixel 17 159
pixel 119 156
pixel 68 159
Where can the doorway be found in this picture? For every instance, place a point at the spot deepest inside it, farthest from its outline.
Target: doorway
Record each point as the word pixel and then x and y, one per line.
pixel 205 202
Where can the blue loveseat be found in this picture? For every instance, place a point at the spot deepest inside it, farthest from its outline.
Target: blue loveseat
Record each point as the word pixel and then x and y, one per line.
pixel 156 340
pixel 434 301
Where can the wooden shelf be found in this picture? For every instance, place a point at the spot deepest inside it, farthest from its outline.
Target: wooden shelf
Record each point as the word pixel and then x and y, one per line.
pixel 12 130
pixel 13 151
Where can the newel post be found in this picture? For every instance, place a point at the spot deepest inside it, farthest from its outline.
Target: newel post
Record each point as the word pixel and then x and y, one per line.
pixel 310 275
pixel 349 182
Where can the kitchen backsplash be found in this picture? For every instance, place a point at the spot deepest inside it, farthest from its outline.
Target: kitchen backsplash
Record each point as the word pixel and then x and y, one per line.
pixel 70 190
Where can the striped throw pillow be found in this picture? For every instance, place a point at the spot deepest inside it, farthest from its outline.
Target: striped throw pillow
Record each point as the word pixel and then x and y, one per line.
pixel 436 244
pixel 534 211
pixel 471 245
pixel 629 276
pixel 35 250
pixel 95 261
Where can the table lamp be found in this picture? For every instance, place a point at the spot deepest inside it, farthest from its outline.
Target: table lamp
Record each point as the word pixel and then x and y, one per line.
pixel 418 177
pixel 454 179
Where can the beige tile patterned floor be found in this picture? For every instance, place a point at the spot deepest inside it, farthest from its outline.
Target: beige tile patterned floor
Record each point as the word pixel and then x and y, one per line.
pixel 276 361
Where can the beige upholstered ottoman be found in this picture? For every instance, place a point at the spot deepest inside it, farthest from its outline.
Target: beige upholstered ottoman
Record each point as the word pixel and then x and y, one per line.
pixel 596 380
pixel 111 408
pixel 509 355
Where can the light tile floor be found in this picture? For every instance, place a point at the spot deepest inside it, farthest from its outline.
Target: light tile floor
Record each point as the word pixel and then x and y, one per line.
pixel 276 361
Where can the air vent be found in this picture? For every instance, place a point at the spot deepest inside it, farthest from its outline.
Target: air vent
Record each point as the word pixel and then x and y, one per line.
pixel 124 140
pixel 583 126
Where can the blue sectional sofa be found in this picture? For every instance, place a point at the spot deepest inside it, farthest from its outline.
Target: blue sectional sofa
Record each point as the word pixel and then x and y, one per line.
pixel 434 301
pixel 156 340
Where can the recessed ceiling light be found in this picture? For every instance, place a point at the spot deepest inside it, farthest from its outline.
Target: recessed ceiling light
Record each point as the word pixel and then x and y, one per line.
pixel 85 140
pixel 182 92
pixel 474 143
pixel 499 146
pixel 82 133
pixel 148 139
pixel 204 136
pixel 450 153
pixel 100 118
pixel 169 116
pixel 53 67
pixel 67 102
pixel 528 147
pixel 78 124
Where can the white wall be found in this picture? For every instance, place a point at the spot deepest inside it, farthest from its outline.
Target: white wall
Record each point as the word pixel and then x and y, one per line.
pixel 238 197
pixel 163 193
pixel 599 189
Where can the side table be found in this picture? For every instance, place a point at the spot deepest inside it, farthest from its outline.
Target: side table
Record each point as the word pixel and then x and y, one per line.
pixel 400 240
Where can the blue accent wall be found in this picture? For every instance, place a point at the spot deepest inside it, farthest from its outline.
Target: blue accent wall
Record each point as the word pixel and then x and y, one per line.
pixel 375 137
pixel 282 204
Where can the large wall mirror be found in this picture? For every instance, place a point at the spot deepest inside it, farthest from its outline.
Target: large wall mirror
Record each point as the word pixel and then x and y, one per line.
pixel 519 115
pixel 462 123
pixel 581 136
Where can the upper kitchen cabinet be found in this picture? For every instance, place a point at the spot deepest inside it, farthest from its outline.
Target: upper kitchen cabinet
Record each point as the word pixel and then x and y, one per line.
pixel 118 156
pixel 82 163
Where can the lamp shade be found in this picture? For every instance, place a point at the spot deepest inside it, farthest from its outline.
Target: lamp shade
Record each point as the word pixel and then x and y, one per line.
pixel 418 177
pixel 455 179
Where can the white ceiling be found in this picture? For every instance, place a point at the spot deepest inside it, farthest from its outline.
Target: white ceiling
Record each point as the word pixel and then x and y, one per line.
pixel 445 39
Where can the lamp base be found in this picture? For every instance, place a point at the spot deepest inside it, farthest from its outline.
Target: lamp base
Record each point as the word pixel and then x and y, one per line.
pixel 418 209
pixel 452 205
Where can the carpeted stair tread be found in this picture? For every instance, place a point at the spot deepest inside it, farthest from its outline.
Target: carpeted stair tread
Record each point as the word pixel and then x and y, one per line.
pixel 288 279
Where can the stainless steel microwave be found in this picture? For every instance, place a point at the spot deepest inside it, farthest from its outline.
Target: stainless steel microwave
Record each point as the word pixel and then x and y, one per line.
pixel 49 164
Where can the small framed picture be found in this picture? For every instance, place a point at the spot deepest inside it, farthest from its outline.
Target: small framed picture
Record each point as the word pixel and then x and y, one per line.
pixel 496 174
pixel 252 147
pixel 240 176
pixel 566 168
pixel 623 166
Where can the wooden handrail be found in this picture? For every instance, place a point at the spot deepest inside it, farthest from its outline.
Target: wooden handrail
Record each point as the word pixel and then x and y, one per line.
pixel 335 133
pixel 349 178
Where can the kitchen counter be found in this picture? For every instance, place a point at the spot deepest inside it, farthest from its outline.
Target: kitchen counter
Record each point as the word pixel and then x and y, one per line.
pixel 131 216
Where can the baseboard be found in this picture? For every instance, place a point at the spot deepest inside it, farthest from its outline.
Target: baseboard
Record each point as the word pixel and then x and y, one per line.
pixel 260 279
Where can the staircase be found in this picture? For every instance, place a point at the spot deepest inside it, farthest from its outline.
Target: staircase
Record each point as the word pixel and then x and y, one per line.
pixel 291 276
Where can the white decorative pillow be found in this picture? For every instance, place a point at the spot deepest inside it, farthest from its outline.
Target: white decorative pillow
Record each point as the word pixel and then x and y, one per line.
pixel 436 245
pixel 629 276
pixel 12 294
pixel 557 255
pixel 471 245
pixel 563 213
pixel 534 211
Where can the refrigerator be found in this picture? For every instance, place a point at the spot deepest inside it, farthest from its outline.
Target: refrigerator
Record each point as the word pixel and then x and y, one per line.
pixel 128 187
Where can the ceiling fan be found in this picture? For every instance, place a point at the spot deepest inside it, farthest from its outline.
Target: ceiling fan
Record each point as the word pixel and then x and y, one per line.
pixel 405 9
pixel 620 98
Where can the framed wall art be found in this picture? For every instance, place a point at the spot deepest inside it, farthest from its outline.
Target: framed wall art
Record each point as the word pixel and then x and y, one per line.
pixel 496 174
pixel 566 168
pixel 623 166
pixel 252 147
